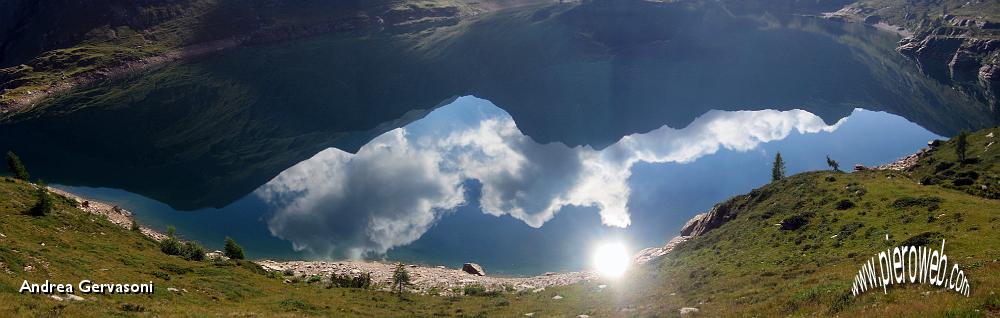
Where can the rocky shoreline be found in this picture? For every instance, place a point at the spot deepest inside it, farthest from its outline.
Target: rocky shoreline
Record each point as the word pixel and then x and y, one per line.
pixel 437 280
pixel 113 213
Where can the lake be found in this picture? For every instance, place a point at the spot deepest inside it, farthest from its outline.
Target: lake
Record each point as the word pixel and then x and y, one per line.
pixel 517 140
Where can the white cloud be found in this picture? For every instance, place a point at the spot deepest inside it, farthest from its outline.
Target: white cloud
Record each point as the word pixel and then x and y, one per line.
pixel 397 186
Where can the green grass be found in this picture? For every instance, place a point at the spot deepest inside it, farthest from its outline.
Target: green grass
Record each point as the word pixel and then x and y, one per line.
pixel 755 265
pixel 979 175
pixel 79 245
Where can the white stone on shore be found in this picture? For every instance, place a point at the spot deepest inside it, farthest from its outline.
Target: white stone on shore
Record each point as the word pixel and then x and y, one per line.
pixel 688 310
pixel 557 297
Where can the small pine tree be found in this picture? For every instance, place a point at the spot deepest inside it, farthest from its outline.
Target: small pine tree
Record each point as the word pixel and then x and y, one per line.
pixel 135 226
pixel 16 167
pixel 832 163
pixel 961 146
pixel 400 278
pixel 778 170
pixel 43 205
pixel 233 250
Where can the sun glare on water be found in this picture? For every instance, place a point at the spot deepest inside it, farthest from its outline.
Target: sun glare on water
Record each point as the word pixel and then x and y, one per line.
pixel 611 260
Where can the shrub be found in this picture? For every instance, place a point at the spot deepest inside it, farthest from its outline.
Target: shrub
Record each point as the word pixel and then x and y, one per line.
pixel 252 267
pixel 844 204
pixel 796 222
pixel 850 228
pixel 363 281
pixel 929 180
pixel 135 226
pixel 922 239
pixel 193 252
pixel 297 305
pixel 479 290
pixel 960 182
pixel 942 166
pixel 170 245
pixel 133 307
pixel 925 201
pixel 16 167
pixel 233 250
pixel 44 204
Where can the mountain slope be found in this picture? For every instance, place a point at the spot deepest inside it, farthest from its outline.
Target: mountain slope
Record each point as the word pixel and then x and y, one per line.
pixel 793 247
pixel 70 245
pixel 53 46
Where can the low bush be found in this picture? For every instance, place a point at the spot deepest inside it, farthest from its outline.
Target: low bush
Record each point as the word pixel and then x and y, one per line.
pixel 845 204
pixel 922 239
pixel 233 250
pixel 193 252
pixel 171 246
pixel 796 222
pixel 930 202
pixel 363 281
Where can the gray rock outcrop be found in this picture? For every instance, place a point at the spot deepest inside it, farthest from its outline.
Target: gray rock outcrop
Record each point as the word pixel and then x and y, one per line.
pixel 474 269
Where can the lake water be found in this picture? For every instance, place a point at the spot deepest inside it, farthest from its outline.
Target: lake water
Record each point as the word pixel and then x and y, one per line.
pixel 517 140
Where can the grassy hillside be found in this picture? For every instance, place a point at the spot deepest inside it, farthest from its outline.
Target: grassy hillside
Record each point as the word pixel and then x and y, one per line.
pixel 980 173
pixel 69 245
pixel 758 264
pixel 753 265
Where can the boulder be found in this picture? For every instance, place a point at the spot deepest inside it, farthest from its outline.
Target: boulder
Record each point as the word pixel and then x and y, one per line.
pixel 688 227
pixel 474 269
pixel 688 310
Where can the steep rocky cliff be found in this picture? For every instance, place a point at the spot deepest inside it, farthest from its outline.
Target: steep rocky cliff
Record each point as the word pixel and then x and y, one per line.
pixel 956 42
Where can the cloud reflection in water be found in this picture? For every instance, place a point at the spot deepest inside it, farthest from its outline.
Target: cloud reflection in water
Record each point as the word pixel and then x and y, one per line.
pixel 401 183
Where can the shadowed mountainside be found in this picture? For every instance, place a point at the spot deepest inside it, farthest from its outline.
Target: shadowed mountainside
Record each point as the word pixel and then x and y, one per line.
pixel 214 129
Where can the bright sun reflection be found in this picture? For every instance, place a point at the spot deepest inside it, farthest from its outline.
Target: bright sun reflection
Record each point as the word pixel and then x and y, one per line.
pixel 611 259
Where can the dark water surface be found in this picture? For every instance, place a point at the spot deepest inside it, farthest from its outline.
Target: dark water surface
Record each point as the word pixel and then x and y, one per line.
pixel 517 140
